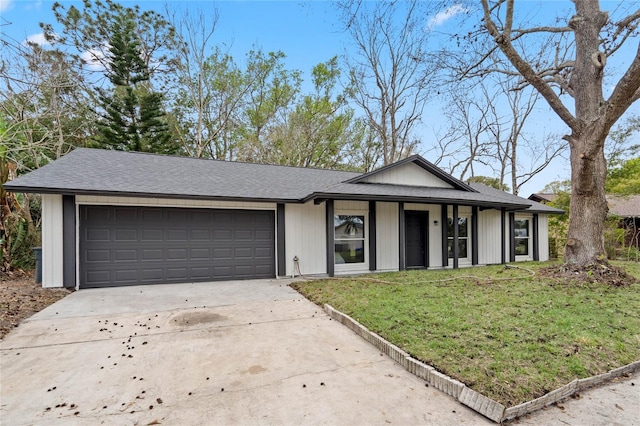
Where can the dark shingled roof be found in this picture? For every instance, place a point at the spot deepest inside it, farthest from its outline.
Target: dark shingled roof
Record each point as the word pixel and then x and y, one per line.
pixel 101 172
pixel 533 206
pixel 93 171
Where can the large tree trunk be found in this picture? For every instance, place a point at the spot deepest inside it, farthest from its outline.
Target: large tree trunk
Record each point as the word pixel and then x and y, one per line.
pixel 585 239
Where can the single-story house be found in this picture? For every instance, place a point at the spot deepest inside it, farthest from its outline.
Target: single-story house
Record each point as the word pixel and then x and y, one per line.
pixel 115 218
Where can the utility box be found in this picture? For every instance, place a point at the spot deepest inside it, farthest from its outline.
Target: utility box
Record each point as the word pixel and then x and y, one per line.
pixel 37 253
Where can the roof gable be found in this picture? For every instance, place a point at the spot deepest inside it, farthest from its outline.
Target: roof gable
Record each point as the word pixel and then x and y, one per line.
pixel 412 171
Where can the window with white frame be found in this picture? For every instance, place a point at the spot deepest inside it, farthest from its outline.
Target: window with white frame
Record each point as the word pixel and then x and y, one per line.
pixel 463 237
pixel 522 236
pixel 349 238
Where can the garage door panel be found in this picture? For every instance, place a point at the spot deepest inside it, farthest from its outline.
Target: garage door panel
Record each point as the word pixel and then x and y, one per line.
pixel 149 235
pixel 98 214
pixel 125 255
pixel 98 234
pixel 177 235
pixel 200 254
pixel 223 218
pixel 125 215
pixel 222 234
pixel 222 272
pixel 126 275
pixel 133 245
pixel 177 273
pixel 151 254
pixel 262 270
pixel 200 235
pixel 177 254
pixel 222 253
pixel 264 253
pixel 123 234
pixel 261 235
pixel 153 215
pixel 98 256
pixel 244 235
pixel 200 273
pixel 99 276
pixel 177 215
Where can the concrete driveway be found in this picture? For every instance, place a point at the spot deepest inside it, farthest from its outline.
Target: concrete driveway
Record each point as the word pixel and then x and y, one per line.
pixel 252 352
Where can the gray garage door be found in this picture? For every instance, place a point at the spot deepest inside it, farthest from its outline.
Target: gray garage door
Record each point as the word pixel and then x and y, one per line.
pixel 140 245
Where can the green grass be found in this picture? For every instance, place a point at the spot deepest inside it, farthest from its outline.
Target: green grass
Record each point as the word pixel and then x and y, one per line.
pixel 511 340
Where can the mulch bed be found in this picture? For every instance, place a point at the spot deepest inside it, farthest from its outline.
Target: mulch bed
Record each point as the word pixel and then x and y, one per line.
pixel 21 297
pixel 597 273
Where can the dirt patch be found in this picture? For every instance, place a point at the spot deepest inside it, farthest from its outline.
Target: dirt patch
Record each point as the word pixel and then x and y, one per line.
pixel 21 297
pixel 596 273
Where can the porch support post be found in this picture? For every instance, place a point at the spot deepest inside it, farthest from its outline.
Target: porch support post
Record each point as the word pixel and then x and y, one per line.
pixel 536 236
pixel 503 237
pixel 330 239
pixel 512 237
pixel 69 241
pixel 372 236
pixel 445 235
pixel 280 249
pixel 474 235
pixel 402 261
pixel 456 249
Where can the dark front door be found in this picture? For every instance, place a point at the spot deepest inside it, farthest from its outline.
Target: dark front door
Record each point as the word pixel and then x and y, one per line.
pixel 417 238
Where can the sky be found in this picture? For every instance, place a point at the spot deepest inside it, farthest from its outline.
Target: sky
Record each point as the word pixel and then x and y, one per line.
pixel 308 32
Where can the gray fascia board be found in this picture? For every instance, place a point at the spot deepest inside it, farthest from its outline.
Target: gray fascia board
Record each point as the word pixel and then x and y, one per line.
pixel 409 199
pixel 66 191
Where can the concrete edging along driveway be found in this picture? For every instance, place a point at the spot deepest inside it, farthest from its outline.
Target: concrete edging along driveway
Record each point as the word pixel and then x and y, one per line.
pixel 486 406
pixel 244 352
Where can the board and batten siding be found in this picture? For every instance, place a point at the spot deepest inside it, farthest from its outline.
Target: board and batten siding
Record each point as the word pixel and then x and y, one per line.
pixel 435 232
pixel 543 237
pixel 387 236
pixel 407 174
pixel 306 238
pixel 343 205
pixel 52 232
pixel 489 246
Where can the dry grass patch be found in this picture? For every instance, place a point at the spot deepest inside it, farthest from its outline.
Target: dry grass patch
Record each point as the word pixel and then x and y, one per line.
pixel 512 340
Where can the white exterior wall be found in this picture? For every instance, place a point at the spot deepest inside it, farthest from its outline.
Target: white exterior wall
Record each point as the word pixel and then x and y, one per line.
pixel 543 237
pixel 408 174
pixel 489 237
pixel 306 237
pixel 435 231
pixel 387 237
pixel 52 274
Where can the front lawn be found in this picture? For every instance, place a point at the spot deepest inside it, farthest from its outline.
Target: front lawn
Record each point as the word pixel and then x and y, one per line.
pixel 511 340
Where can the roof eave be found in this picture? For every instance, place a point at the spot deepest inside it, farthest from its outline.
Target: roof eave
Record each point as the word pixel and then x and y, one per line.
pixel 411 199
pixel 66 191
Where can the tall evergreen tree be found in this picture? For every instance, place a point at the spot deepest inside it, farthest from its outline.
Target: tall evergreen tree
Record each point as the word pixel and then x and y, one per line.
pixel 133 118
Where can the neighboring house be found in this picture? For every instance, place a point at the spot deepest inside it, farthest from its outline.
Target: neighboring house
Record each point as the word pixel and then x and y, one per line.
pixel 543 197
pixel 625 207
pixel 115 218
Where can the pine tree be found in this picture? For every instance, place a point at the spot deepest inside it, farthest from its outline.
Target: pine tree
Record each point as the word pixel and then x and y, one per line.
pixel 133 118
